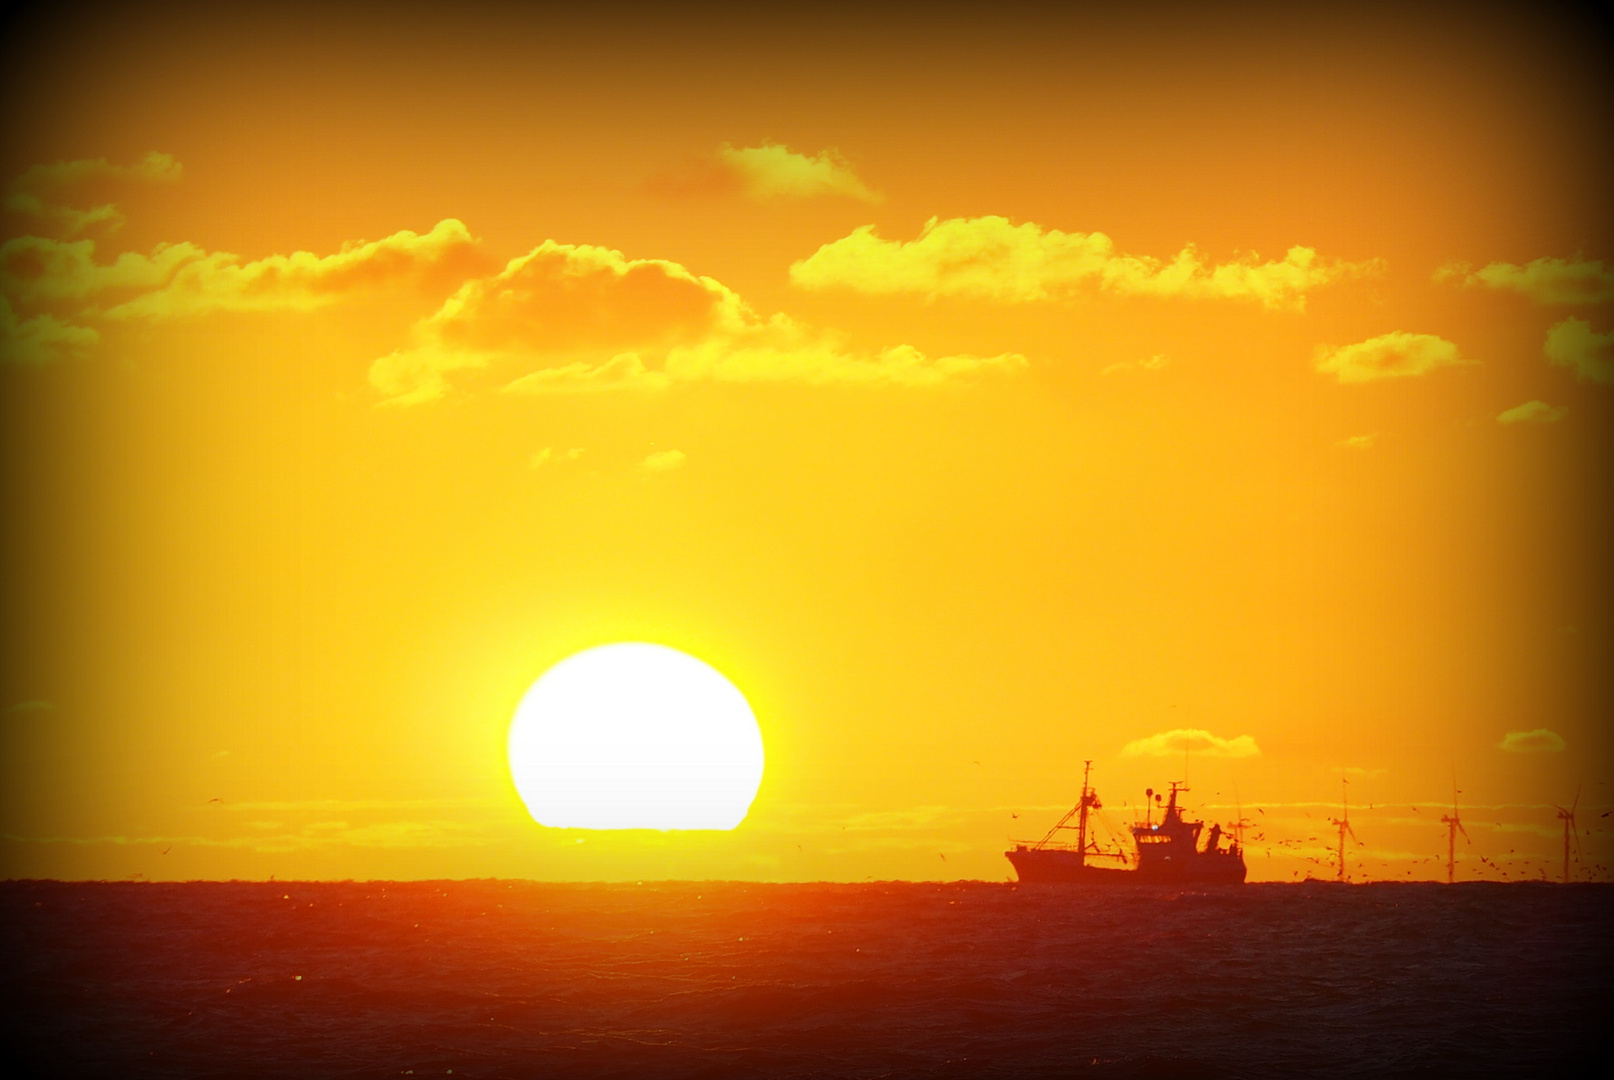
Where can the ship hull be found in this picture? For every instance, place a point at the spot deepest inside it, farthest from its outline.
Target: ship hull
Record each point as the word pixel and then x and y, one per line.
pixel 1041 867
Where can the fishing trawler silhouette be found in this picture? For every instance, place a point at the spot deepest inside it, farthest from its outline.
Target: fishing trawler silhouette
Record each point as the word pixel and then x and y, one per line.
pixel 1168 853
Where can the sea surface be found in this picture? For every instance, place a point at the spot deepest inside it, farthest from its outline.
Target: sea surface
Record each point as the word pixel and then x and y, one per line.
pixel 504 979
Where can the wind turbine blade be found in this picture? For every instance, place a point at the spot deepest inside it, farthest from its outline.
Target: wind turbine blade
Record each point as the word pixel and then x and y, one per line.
pixel 1464 831
pixel 1574 805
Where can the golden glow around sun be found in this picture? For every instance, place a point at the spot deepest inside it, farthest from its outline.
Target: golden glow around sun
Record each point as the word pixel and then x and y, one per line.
pixel 635 736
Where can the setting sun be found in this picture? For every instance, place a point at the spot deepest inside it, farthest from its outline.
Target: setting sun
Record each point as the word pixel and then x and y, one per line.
pixel 635 736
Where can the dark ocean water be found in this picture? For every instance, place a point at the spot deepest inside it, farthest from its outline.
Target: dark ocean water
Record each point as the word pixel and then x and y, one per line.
pixel 516 979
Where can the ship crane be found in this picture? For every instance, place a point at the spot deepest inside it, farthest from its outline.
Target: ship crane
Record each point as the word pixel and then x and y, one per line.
pixel 1085 805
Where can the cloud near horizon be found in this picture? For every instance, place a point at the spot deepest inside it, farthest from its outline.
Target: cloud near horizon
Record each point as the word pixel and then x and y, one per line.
pixel 1546 280
pixel 1575 345
pixel 990 258
pixel 1191 741
pixel 1538 741
pixel 1388 356
pixel 576 317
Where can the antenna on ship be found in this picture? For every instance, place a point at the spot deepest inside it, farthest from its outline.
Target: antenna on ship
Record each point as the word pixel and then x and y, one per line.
pixel 1344 823
pixel 1453 823
pixel 1568 818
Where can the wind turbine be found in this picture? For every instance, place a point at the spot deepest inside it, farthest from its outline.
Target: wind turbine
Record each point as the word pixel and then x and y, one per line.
pixel 1240 824
pixel 1568 818
pixel 1453 823
pixel 1344 823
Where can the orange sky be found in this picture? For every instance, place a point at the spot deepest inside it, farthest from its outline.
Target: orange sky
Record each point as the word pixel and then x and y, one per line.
pixel 979 393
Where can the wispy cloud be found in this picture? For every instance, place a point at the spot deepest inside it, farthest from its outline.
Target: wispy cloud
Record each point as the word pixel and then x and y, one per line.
pixel 1396 355
pixel 35 193
pixel 1575 345
pixel 1532 412
pixel 767 173
pixel 777 172
pixel 303 281
pixel 42 339
pixel 663 461
pixel 1546 280
pixel 1191 741
pixel 184 280
pixel 1537 741
pixel 548 456
pixel 1148 365
pixel 573 317
pixel 993 259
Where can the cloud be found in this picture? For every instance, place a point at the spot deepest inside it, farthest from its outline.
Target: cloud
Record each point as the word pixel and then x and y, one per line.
pixel 773 172
pixel 625 371
pixel 35 269
pixel 548 455
pixel 1546 281
pixel 181 279
pixel 1388 356
pixel 1533 412
pixel 1539 741
pixel 1151 365
pixel 767 173
pixel 577 317
pixel 184 280
pixel 1574 345
pixel 664 461
pixel 32 192
pixel 1359 442
pixel 31 707
pixel 1191 741
pixel 41 339
pixel 989 258
pixel 303 281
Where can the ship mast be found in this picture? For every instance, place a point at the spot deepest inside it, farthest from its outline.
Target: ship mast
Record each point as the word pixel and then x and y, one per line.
pixel 1081 821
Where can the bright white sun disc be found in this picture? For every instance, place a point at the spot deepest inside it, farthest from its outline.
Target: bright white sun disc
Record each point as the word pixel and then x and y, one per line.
pixel 635 736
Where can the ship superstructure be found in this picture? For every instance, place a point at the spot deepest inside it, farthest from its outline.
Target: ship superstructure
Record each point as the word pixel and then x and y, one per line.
pixel 1168 852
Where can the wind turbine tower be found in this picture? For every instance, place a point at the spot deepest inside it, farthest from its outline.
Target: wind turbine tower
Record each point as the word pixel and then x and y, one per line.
pixel 1344 823
pixel 1568 818
pixel 1453 823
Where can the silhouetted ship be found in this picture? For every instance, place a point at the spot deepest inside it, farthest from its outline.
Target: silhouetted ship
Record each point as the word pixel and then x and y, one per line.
pixel 1168 852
